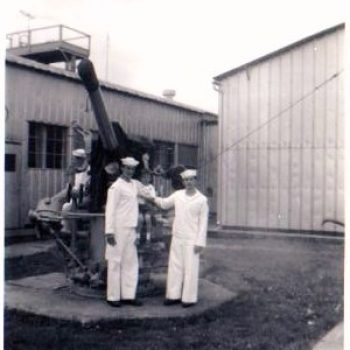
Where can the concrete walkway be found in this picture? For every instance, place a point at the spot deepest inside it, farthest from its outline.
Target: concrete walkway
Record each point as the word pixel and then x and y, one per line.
pixel 334 340
pixel 48 295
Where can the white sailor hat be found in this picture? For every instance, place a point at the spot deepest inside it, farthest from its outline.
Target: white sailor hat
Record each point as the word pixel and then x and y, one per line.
pixel 129 161
pixel 188 173
pixel 79 152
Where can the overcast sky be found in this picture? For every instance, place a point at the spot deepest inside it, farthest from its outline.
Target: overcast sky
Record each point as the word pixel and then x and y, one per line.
pixel 180 44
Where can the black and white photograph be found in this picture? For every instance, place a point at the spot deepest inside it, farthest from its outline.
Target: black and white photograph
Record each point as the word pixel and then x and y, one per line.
pixel 174 175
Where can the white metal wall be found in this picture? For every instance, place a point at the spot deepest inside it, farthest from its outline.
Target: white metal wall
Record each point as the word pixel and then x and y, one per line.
pixel 281 139
pixel 32 95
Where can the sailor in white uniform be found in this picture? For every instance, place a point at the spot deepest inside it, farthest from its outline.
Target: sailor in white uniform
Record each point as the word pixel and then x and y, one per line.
pixel 120 229
pixel 189 234
pixel 81 185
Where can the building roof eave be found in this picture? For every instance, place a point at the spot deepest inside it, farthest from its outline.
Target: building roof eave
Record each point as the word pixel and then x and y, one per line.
pixel 17 60
pixel 217 79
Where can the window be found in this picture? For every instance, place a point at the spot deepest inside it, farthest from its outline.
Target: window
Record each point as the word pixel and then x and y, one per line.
pixel 187 155
pixel 47 146
pixel 10 162
pixel 164 154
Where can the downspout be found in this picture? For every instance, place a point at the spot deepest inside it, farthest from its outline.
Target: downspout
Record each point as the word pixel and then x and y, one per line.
pixel 219 213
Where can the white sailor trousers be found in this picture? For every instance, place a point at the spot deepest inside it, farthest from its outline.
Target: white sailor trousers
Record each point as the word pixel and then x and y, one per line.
pixel 122 266
pixel 183 271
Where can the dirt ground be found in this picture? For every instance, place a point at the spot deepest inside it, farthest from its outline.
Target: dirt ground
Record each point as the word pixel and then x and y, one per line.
pixel 290 293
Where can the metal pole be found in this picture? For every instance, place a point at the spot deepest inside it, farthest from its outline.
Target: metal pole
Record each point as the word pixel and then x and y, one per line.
pixel 107 56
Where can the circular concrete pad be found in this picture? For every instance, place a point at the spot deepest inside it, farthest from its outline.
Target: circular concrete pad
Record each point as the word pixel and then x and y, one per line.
pixel 48 295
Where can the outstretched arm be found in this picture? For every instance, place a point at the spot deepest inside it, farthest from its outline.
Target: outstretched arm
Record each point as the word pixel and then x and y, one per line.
pixel 165 203
pixel 150 195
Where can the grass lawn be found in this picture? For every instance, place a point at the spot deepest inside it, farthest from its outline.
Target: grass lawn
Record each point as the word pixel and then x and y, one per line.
pixel 290 293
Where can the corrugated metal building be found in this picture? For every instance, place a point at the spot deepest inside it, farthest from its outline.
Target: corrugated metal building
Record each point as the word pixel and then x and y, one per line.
pixel 41 103
pixel 281 137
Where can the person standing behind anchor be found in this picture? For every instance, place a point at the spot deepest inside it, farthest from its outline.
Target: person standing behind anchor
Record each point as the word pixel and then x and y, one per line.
pixel 145 209
pixel 79 193
pixel 121 218
pixel 189 234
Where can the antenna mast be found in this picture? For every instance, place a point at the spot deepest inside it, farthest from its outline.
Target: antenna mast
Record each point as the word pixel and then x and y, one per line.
pixel 29 17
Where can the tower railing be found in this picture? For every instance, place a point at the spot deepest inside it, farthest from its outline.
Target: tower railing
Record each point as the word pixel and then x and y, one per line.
pixel 58 33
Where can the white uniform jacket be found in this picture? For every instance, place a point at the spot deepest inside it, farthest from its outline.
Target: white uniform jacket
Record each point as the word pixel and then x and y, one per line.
pixel 191 216
pixel 81 178
pixel 122 206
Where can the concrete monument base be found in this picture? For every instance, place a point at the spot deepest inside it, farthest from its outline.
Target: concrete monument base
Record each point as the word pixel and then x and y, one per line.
pixel 49 295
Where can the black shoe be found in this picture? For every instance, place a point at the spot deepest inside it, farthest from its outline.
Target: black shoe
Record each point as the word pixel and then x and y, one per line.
pixel 188 304
pixel 132 302
pixel 116 303
pixel 169 302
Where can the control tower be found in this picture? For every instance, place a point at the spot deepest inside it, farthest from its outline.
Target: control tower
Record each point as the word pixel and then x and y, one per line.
pixel 51 44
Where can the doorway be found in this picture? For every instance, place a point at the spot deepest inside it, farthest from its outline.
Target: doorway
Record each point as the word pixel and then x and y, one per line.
pixel 12 185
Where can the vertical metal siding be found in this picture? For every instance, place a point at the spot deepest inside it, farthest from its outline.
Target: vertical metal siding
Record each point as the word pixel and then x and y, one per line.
pixel 296 117
pixel 274 161
pixel 219 157
pixel 221 154
pixel 263 142
pixel 332 183
pixel 242 156
pixel 253 156
pixel 285 142
pixel 284 173
pixel 307 134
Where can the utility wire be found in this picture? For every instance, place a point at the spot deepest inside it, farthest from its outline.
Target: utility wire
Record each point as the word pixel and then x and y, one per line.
pixel 286 109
